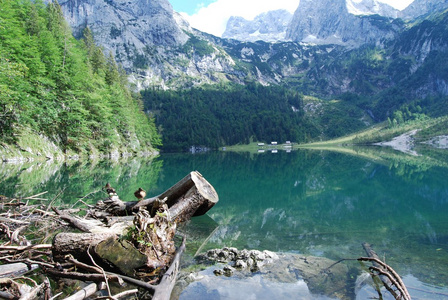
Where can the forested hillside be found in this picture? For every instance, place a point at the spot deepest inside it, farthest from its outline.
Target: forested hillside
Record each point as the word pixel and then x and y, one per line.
pixel 214 116
pixel 56 87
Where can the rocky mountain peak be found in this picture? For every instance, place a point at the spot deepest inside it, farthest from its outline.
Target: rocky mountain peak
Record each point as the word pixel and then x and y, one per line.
pixel 371 7
pixel 124 26
pixel 423 7
pixel 332 22
pixel 269 26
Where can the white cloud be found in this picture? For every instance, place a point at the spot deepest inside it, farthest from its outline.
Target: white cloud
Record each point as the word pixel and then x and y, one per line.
pixel 213 18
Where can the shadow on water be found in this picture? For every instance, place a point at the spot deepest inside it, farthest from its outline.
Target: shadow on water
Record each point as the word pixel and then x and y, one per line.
pixel 311 202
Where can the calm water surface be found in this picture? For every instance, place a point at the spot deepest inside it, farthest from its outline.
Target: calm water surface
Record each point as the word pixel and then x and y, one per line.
pixel 316 203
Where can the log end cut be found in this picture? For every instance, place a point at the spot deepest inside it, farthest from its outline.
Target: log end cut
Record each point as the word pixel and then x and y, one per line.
pixel 207 191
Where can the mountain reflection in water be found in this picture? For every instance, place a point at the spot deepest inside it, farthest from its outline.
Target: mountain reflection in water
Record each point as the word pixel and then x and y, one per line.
pixel 317 203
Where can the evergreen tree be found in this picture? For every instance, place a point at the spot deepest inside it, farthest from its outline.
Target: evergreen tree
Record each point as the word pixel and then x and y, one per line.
pixel 61 87
pixel 112 74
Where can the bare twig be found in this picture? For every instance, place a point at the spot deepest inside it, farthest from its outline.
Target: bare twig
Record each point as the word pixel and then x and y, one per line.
pixel 29 262
pixel 81 276
pixel 81 199
pixel 34 197
pixel 26 278
pixel 84 266
pixel 120 295
pixel 25 248
pixel 394 277
pixel 55 296
pixel 102 271
pixel 9 220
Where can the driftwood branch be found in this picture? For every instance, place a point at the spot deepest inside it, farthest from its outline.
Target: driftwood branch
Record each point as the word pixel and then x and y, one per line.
pixel 25 248
pixel 74 221
pixel 389 277
pixel 166 285
pixel 84 293
pixel 81 276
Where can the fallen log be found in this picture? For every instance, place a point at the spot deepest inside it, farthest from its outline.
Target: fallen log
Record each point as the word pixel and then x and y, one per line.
pixel 191 196
pixel 145 248
pixel 76 244
pixel 13 269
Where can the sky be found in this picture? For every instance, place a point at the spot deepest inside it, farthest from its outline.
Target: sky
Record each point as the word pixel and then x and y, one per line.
pixel 211 16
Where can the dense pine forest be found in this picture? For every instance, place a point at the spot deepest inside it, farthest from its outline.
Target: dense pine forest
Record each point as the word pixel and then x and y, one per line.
pixel 65 89
pixel 214 116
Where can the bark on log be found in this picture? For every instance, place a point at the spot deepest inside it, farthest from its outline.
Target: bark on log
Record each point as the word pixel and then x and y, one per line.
pixel 191 196
pixel 76 244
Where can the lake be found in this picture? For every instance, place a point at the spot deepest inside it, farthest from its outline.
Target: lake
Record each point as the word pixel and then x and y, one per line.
pixel 308 202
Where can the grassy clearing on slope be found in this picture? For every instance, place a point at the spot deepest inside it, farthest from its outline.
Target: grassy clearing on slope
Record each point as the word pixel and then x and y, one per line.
pixel 428 128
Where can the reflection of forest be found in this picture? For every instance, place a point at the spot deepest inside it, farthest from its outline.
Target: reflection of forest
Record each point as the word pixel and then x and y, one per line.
pixel 70 181
pixel 312 202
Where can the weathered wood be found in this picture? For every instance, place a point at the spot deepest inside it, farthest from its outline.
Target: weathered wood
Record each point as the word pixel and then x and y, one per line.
pixel 7 296
pixel 121 254
pixel 81 224
pixel 155 222
pixel 125 294
pixel 76 244
pixel 165 287
pixel 15 269
pixel 25 248
pixel 33 293
pixel 84 293
pixel 81 276
pixel 192 196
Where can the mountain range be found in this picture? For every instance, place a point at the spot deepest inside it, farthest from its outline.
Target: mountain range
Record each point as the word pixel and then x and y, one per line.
pixel 270 26
pixel 328 22
pixel 157 47
pixel 375 57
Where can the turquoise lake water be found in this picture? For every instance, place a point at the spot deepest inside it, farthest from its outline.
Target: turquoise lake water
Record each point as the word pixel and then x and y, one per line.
pixel 317 203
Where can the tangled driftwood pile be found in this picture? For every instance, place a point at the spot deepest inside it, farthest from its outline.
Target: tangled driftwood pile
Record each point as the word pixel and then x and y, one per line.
pixel 123 242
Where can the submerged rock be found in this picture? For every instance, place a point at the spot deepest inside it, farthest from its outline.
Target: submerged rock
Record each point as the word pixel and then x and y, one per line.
pixel 255 271
pixel 241 259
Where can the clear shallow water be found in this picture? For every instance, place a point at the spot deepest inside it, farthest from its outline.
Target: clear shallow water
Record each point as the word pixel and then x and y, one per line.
pixel 309 202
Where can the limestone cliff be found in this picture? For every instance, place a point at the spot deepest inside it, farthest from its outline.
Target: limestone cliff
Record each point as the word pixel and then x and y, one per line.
pixel 269 27
pixel 423 7
pixel 154 44
pixel 330 22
